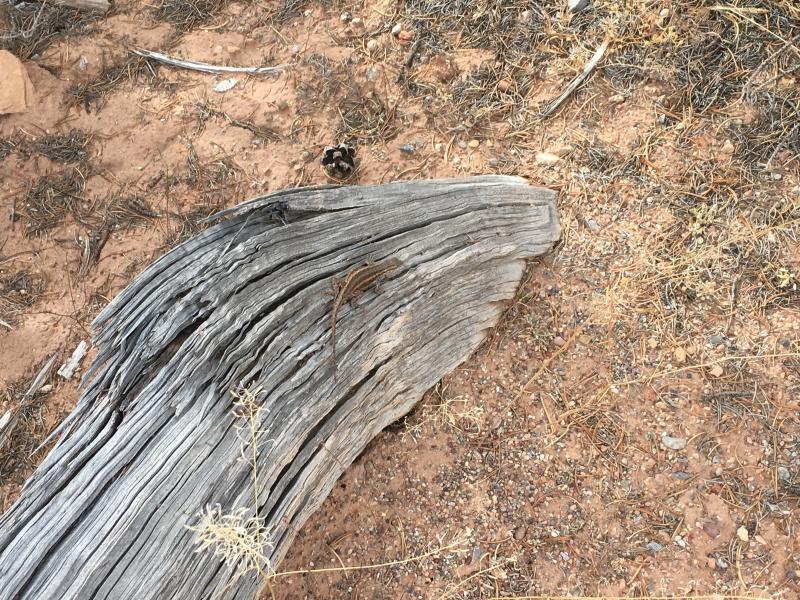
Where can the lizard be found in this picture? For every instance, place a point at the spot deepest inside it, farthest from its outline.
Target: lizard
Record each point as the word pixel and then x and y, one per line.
pixel 350 287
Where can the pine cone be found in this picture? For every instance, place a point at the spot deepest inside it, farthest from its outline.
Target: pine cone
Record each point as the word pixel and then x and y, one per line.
pixel 339 161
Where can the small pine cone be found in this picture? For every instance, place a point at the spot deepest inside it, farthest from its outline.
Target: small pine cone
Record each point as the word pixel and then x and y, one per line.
pixel 339 161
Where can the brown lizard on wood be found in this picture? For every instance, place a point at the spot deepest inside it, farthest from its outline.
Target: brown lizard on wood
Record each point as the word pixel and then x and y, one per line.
pixel 351 286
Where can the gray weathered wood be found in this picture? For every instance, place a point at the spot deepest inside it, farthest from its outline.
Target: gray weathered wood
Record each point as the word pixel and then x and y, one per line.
pixel 154 440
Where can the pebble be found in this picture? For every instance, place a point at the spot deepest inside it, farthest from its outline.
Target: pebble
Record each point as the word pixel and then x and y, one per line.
pixel 728 147
pixel 473 143
pixel 653 547
pixel 295 50
pixel 547 159
pixel 358 22
pixel 717 371
pixel 461 144
pixel 408 148
pixel 225 85
pixel 371 73
pixel 784 474
pixel 282 104
pixel 559 341
pixel 46 388
pixel 476 554
pixel 346 17
pixel 673 443
pixel 680 355
pixel 721 564
pixel 82 63
pixel 664 13
pixel 520 532
pixel 525 16
pixel 397 29
pixel 493 162
pixel 592 224
pixel 405 36
pixel 742 534
pixel 373 45
pixel 776 176
pixel 574 6
pixel 716 340
pixel 617 99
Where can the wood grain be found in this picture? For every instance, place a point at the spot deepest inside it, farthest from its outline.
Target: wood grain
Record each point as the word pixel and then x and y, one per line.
pixel 153 439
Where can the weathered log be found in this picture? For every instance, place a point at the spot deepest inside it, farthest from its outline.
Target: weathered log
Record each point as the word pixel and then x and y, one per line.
pixel 154 439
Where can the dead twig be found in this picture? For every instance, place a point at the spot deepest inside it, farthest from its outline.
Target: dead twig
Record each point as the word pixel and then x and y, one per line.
pixel 194 65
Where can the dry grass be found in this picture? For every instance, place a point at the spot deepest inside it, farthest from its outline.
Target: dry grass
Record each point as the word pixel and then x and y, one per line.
pixel 19 290
pixel 70 147
pixel 94 93
pixel 48 201
pixel 31 27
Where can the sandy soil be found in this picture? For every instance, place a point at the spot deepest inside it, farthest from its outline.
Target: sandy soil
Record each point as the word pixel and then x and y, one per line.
pixel 631 426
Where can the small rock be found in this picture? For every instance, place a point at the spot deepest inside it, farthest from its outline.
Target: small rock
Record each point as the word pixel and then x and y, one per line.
pixel 373 45
pixel 559 341
pixel 493 162
pixel 680 355
pixel 408 148
pixel 592 224
pixel 776 176
pixel 547 159
pixel 217 49
pixel 728 147
pixel 710 562
pixel 742 534
pixel 461 144
pixel 617 99
pixel 46 388
pixel 295 50
pixel 680 542
pixel 721 564
pixel 653 547
pixel 784 474
pixel 397 29
pixel 574 6
pixel 357 22
pixel 525 16
pixel 504 85
pixel 473 143
pixel 716 340
pixel 233 49
pixel 717 371
pixel 306 13
pixel 226 85
pixel 405 36
pixel 282 104
pixel 476 554
pixel 346 17
pixel 673 443
pixel 371 73
pixel 520 532
pixel 82 63
pixel 664 13
pixel 682 475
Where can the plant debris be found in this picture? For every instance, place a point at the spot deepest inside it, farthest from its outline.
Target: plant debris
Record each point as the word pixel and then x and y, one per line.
pixel 33 26
pixel 95 92
pixel 339 162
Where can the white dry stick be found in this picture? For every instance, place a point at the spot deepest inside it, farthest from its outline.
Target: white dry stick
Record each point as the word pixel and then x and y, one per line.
pixel 193 65
pixel 579 80
pixel 67 370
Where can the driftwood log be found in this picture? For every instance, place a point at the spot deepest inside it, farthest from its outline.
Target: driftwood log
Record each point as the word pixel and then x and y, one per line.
pixel 155 440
